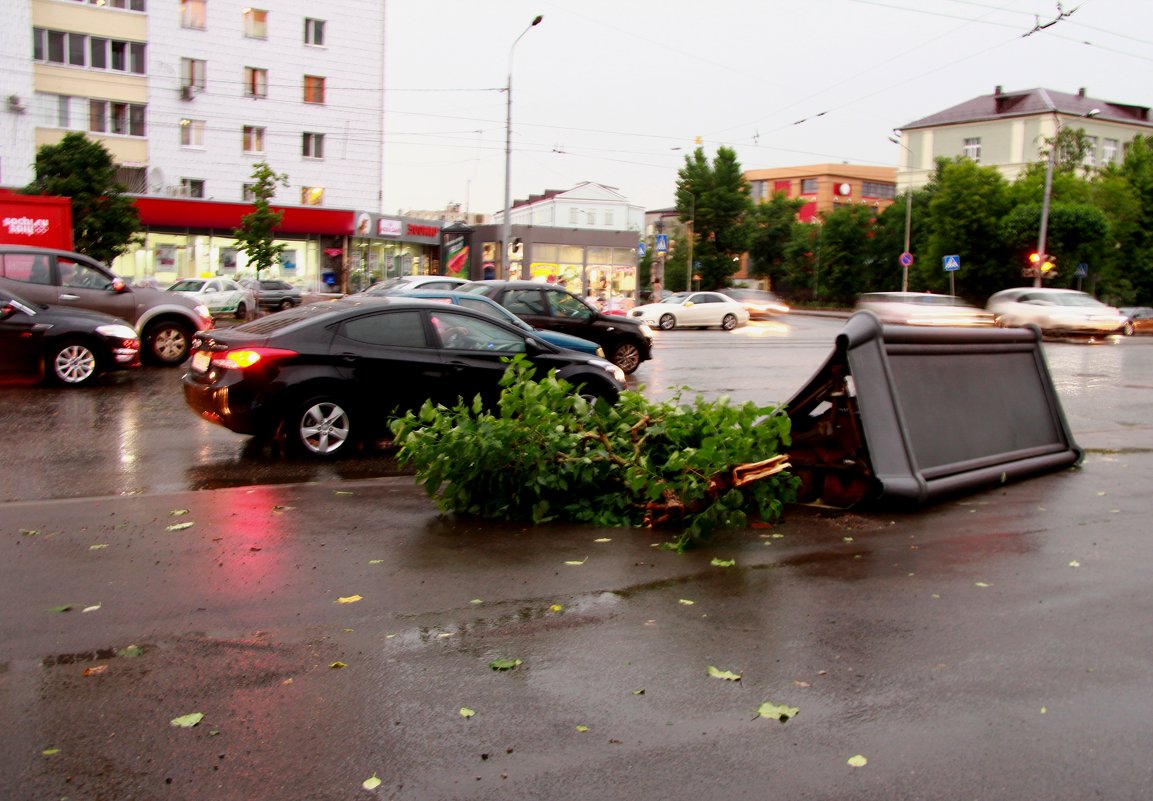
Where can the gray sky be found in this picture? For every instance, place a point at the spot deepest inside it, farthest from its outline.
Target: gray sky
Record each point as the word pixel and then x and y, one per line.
pixel 616 91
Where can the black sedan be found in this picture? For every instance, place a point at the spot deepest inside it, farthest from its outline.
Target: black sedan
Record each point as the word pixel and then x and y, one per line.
pixel 626 342
pixel 68 346
pixel 324 376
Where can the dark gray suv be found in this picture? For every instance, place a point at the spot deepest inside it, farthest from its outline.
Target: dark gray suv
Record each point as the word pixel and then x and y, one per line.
pixel 165 321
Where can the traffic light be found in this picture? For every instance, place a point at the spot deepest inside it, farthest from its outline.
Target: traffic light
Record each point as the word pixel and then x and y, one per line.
pixel 1046 265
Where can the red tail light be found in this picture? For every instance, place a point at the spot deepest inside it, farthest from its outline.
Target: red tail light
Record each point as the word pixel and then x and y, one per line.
pixel 244 358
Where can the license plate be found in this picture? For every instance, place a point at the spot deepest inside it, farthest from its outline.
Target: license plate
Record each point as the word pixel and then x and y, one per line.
pixel 201 360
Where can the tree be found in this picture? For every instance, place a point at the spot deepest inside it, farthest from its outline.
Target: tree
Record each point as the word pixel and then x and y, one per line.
pixel 715 200
pixel 257 227
pixel 104 219
pixel 770 229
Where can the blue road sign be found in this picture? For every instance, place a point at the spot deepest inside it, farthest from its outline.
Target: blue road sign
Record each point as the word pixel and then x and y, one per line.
pixel 641 249
pixel 906 259
pixel 952 263
pixel 1082 270
pixel 662 243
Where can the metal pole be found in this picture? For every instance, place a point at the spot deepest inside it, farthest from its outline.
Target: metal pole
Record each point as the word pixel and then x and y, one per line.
pixel 506 224
pixel 1041 256
pixel 692 224
pixel 908 226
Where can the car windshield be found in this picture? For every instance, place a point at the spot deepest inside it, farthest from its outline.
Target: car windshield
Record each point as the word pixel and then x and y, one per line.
pixel 678 298
pixel 187 285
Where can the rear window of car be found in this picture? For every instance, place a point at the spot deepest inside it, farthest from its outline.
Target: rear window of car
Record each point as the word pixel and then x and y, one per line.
pixel 397 329
pixel 31 268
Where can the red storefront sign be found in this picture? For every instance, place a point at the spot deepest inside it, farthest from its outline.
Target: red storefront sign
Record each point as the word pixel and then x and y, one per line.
pixel 40 220
pixel 182 214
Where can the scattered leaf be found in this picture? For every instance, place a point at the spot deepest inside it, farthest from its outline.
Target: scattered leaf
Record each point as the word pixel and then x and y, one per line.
pixel 639 692
pixel 95 670
pixel 376 561
pixel 349 599
pixel 727 675
pixel 1044 710
pixel 476 601
pixel 214 732
pixel 804 685
pixel 505 664
pixel 581 562
pixel 371 783
pixel 177 512
pixel 92 608
pixel 776 711
pixel 28 532
pixel 685 602
pixel 189 720
pixel 62 608
pixel 1074 563
pixel 983 584
pixel 723 562
pixel 1102 493
pixel 287 681
pixel 180 526
pixel 131 652
pixel 582 728
pixel 603 539
pixel 338 665
pixel 556 608
pixel 846 539
pixel 98 547
pixel 858 761
pixel 465 712
pixel 282 508
pixel 343 493
pixel 50 751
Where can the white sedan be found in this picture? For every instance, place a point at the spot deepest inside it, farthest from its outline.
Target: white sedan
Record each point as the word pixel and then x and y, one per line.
pixel 220 295
pixel 693 310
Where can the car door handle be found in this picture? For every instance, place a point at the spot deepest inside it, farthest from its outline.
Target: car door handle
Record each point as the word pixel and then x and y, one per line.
pixel 69 296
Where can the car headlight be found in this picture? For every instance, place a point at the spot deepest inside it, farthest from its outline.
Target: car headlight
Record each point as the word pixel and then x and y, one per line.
pixel 202 310
pixel 609 368
pixel 116 330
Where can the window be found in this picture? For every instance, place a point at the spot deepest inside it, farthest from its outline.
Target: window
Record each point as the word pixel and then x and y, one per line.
pixel 313 145
pixel 312 195
pixel 193 14
pixel 248 193
pixel 390 329
pixel 591 217
pixel 972 149
pixel 193 74
pixel 808 186
pixel 255 23
pixel 759 190
pixel 1090 151
pixel 77 49
pixel 128 5
pixel 98 53
pixel 255 82
pixel 1108 151
pixel 878 190
pixel 608 217
pixel 314 32
pixel 126 119
pixel 63 111
pixel 94 52
pixel 253 139
pixel 192 187
pixel 572 215
pixel 313 89
pixel 192 133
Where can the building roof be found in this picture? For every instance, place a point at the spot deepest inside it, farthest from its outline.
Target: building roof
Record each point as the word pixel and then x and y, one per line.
pixel 1031 102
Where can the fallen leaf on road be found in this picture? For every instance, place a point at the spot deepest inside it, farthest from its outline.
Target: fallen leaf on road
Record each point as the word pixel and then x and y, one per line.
pixel 685 602
pixel 50 751
pixel 858 761
pixel 95 671
pixel 582 728
pixel 189 720
pixel 505 664
pixel 131 652
pixel 639 692
pixel 343 493
pixel 1074 563
pixel 178 512
pixel 371 783
pixel 99 547
pixel 575 564
pixel 180 526
pixel 983 584
pixel 282 508
pixel 776 711
pixel 349 599
pixel 92 608
pixel 338 665
pixel 723 562
pixel 28 532
pixel 376 561
pixel 727 675
pixel 63 608
pixel 465 712
pixel 603 539
pixel 556 608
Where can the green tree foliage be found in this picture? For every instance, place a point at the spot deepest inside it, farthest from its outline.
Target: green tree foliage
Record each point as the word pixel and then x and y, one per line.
pixel 770 227
pixel 257 228
pixel 546 454
pixel 104 219
pixel 714 199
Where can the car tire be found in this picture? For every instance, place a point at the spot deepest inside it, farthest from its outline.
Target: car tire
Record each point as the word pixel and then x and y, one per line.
pixel 626 356
pixel 729 322
pixel 285 304
pixel 168 342
pixel 320 427
pixel 667 322
pixel 73 364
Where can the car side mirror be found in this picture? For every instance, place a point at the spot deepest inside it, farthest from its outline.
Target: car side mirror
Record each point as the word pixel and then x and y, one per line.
pixel 532 347
pixel 118 285
pixel 689 303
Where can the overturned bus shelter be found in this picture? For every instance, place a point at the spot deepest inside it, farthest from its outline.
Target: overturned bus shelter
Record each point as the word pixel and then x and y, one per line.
pixel 903 415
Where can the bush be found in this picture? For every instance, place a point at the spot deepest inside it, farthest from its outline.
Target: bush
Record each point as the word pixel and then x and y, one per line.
pixel 550 454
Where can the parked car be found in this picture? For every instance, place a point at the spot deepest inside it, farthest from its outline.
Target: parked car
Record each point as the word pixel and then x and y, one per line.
pixel 693 310
pixel 400 284
pixel 220 295
pixel 273 294
pixel 69 346
pixel 1140 320
pixel 625 341
pixel 759 303
pixel 1055 311
pixel 164 321
pixel 325 375
pixel 471 300
pixel 924 308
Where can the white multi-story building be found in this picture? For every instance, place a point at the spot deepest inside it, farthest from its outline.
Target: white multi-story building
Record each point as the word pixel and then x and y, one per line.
pixel 188 95
pixel 587 205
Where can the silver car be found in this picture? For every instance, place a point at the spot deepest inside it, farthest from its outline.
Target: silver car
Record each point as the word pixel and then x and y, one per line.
pixel 1055 311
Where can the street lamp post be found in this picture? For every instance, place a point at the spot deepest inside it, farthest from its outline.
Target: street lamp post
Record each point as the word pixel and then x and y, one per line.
pixel 908 211
pixel 692 225
pixel 1043 233
pixel 506 224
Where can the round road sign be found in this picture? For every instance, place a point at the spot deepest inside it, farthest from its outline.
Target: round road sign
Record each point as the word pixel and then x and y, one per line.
pixel 906 259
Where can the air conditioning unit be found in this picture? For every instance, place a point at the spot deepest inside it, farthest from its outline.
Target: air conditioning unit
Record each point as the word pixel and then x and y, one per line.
pixel 187 92
pixel 15 105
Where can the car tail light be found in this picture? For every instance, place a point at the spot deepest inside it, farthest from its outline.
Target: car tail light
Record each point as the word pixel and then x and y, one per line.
pixel 244 358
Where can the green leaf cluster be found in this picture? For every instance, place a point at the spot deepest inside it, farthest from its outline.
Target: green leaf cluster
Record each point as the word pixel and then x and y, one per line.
pixel 547 453
pixel 255 236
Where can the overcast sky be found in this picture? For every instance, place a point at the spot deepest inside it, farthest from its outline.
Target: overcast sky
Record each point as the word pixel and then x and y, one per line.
pixel 617 91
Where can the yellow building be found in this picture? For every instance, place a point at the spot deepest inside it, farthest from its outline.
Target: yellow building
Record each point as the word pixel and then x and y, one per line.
pixel 824 187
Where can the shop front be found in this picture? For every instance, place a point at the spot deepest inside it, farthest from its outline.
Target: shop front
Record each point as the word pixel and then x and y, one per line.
pixel 388 246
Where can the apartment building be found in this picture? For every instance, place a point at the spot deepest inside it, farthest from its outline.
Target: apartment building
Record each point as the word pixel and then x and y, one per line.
pixel 188 94
pixel 824 187
pixel 1010 130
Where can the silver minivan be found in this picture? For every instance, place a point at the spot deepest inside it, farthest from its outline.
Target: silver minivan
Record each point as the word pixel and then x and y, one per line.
pixel 165 321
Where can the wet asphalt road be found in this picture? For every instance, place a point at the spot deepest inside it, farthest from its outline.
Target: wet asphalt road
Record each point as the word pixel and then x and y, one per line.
pixel 993 647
